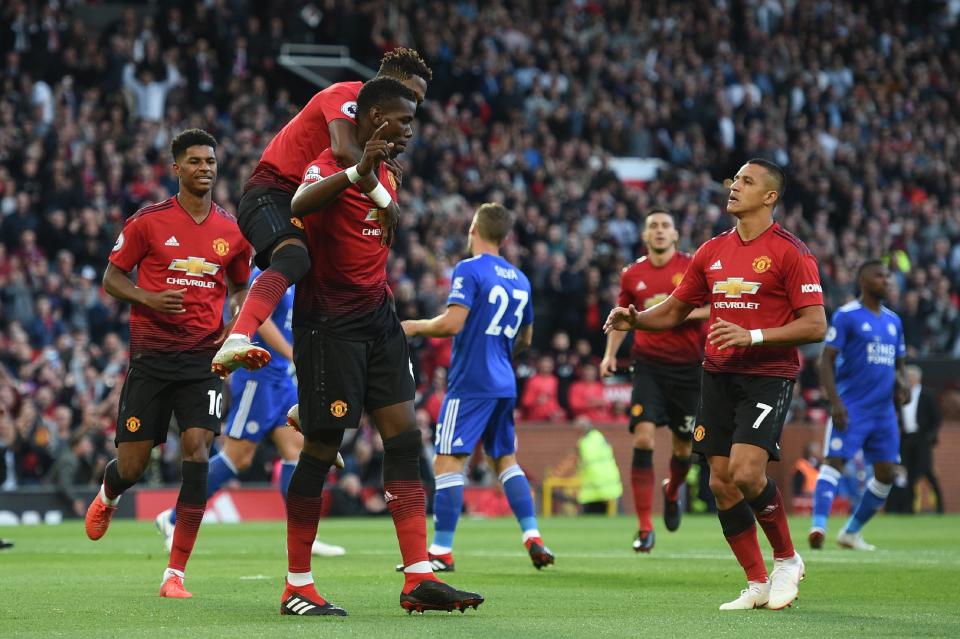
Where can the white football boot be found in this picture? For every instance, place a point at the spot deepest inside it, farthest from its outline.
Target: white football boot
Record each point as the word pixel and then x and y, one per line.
pixel 785 581
pixel 321 549
pixel 755 595
pixel 236 352
pixel 165 528
pixel 853 541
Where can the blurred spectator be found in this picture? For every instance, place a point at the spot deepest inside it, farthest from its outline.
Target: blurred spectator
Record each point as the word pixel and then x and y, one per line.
pixel 539 400
pixel 587 398
pixel 75 467
pixel 921 424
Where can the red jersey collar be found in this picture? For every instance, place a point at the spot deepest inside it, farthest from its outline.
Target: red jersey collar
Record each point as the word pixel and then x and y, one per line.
pixel 744 242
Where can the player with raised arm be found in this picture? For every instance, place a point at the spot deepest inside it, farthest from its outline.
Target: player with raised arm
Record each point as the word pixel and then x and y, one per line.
pixel 490 317
pixel 666 374
pixel 351 355
pixel 188 252
pixel 327 121
pixel 259 408
pixel 764 291
pixel 862 374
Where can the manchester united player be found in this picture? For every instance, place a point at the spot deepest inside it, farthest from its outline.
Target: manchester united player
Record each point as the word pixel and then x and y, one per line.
pixel 666 374
pixel 328 121
pixel 188 252
pixel 351 354
pixel 765 298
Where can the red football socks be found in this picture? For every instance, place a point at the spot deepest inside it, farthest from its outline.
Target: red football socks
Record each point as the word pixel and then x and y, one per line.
pixel 189 517
pixel 746 548
pixel 264 295
pixel 303 517
pixel 772 516
pixel 642 482
pixel 407 504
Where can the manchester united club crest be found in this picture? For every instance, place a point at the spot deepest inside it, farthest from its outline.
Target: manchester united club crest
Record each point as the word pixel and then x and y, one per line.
pixel 338 408
pixel 676 279
pixel 297 222
pixel 393 180
pixel 133 424
pixel 699 433
pixel 762 264
pixel 636 410
pixel 221 247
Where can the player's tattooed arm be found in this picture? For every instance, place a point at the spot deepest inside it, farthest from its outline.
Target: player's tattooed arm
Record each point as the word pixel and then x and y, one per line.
pixel 447 324
pixel 838 411
pixel 117 284
pixel 661 317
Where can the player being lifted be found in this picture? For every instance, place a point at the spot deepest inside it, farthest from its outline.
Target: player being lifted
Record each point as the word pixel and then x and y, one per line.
pixel 666 374
pixel 351 354
pixel 327 121
pixel 865 347
pixel 490 314
pixel 188 252
pixel 259 408
pixel 765 298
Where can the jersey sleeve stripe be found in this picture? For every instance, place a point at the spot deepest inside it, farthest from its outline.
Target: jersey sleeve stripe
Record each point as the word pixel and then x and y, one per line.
pixel 800 246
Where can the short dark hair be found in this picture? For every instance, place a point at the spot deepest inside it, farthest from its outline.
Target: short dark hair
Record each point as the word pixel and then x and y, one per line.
pixel 381 90
pixel 779 179
pixel 402 63
pixel 188 138
pixel 868 264
pixel 661 211
pixel 494 222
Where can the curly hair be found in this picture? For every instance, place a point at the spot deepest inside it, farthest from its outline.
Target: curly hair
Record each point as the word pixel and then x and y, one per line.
pixel 188 138
pixel 401 63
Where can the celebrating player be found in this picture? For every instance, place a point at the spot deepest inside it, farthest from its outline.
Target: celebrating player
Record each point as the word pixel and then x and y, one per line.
pixel 328 120
pixel 351 355
pixel 490 315
pixel 259 408
pixel 865 347
pixel 666 374
pixel 188 252
pixel 765 298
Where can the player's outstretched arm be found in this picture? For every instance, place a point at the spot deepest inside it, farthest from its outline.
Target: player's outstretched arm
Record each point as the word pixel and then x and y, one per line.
pixel 615 339
pixel 661 317
pixel 117 284
pixel 447 324
pixel 828 361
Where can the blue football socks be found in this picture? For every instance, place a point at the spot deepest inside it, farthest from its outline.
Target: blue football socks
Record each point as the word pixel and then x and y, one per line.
pixel 447 504
pixel 823 495
pixel 517 489
pixel 873 498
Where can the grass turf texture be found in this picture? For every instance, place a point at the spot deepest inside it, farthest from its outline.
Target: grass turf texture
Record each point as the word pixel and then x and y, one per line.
pixel 57 583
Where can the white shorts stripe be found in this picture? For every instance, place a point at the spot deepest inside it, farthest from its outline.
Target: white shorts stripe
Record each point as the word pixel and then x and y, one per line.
pixel 243 411
pixel 449 426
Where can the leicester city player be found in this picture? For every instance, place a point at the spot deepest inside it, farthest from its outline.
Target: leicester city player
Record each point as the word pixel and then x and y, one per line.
pixel 862 374
pixel 259 408
pixel 490 314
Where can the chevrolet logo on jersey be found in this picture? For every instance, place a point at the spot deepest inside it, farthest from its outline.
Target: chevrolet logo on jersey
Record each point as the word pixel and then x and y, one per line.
pixel 735 287
pixel 196 266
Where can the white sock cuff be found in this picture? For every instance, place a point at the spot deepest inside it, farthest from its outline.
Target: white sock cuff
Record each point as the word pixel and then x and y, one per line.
pixel 449 480
pixel 530 534
pixel 288 462
pixel 510 473
pixel 829 473
pixel 879 489
pixel 434 549
pixel 300 578
pixel 238 335
pixel 105 500
pixel 419 567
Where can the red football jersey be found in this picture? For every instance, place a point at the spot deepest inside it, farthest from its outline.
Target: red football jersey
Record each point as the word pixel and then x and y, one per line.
pixel 346 290
pixel 755 284
pixel 172 251
pixel 304 137
pixel 644 285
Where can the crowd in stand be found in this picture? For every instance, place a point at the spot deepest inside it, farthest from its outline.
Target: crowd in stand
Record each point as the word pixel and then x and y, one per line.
pixel 860 102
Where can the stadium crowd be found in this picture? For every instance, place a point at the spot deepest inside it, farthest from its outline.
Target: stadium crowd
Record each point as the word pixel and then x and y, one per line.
pixel 863 111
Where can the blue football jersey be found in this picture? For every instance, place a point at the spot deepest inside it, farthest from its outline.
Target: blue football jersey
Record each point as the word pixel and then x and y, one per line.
pixel 283 317
pixel 868 345
pixel 498 296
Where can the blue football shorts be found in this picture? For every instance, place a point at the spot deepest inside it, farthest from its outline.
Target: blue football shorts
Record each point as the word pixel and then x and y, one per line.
pixel 463 422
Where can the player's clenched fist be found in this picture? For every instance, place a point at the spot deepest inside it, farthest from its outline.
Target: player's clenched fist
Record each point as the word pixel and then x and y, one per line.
pixel 621 319
pixel 168 301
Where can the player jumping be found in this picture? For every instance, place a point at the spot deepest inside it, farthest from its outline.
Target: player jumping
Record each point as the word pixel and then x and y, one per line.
pixel 327 121
pixel 259 408
pixel 666 374
pixel 490 315
pixel 351 355
pixel 188 252
pixel 865 347
pixel 765 298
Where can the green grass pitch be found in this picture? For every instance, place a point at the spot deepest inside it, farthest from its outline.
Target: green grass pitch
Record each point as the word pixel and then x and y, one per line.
pixel 56 583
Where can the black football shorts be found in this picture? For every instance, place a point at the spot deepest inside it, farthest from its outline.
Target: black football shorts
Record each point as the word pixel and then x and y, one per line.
pixel 148 402
pixel 265 220
pixel 338 378
pixel 741 409
pixel 665 395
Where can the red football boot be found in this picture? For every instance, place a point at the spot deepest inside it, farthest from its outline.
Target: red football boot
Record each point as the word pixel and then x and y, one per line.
pixel 173 588
pixel 98 518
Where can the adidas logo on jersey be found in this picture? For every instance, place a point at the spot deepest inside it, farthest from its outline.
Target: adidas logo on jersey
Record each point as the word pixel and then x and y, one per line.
pixel 716 266
pixel 866 327
pixel 641 286
pixel 172 241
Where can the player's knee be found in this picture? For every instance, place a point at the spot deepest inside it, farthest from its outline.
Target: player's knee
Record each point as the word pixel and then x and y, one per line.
pixel 748 481
pixel 401 456
pixel 722 487
pixel 682 449
pixel 131 470
pixel 291 260
pixel 883 474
